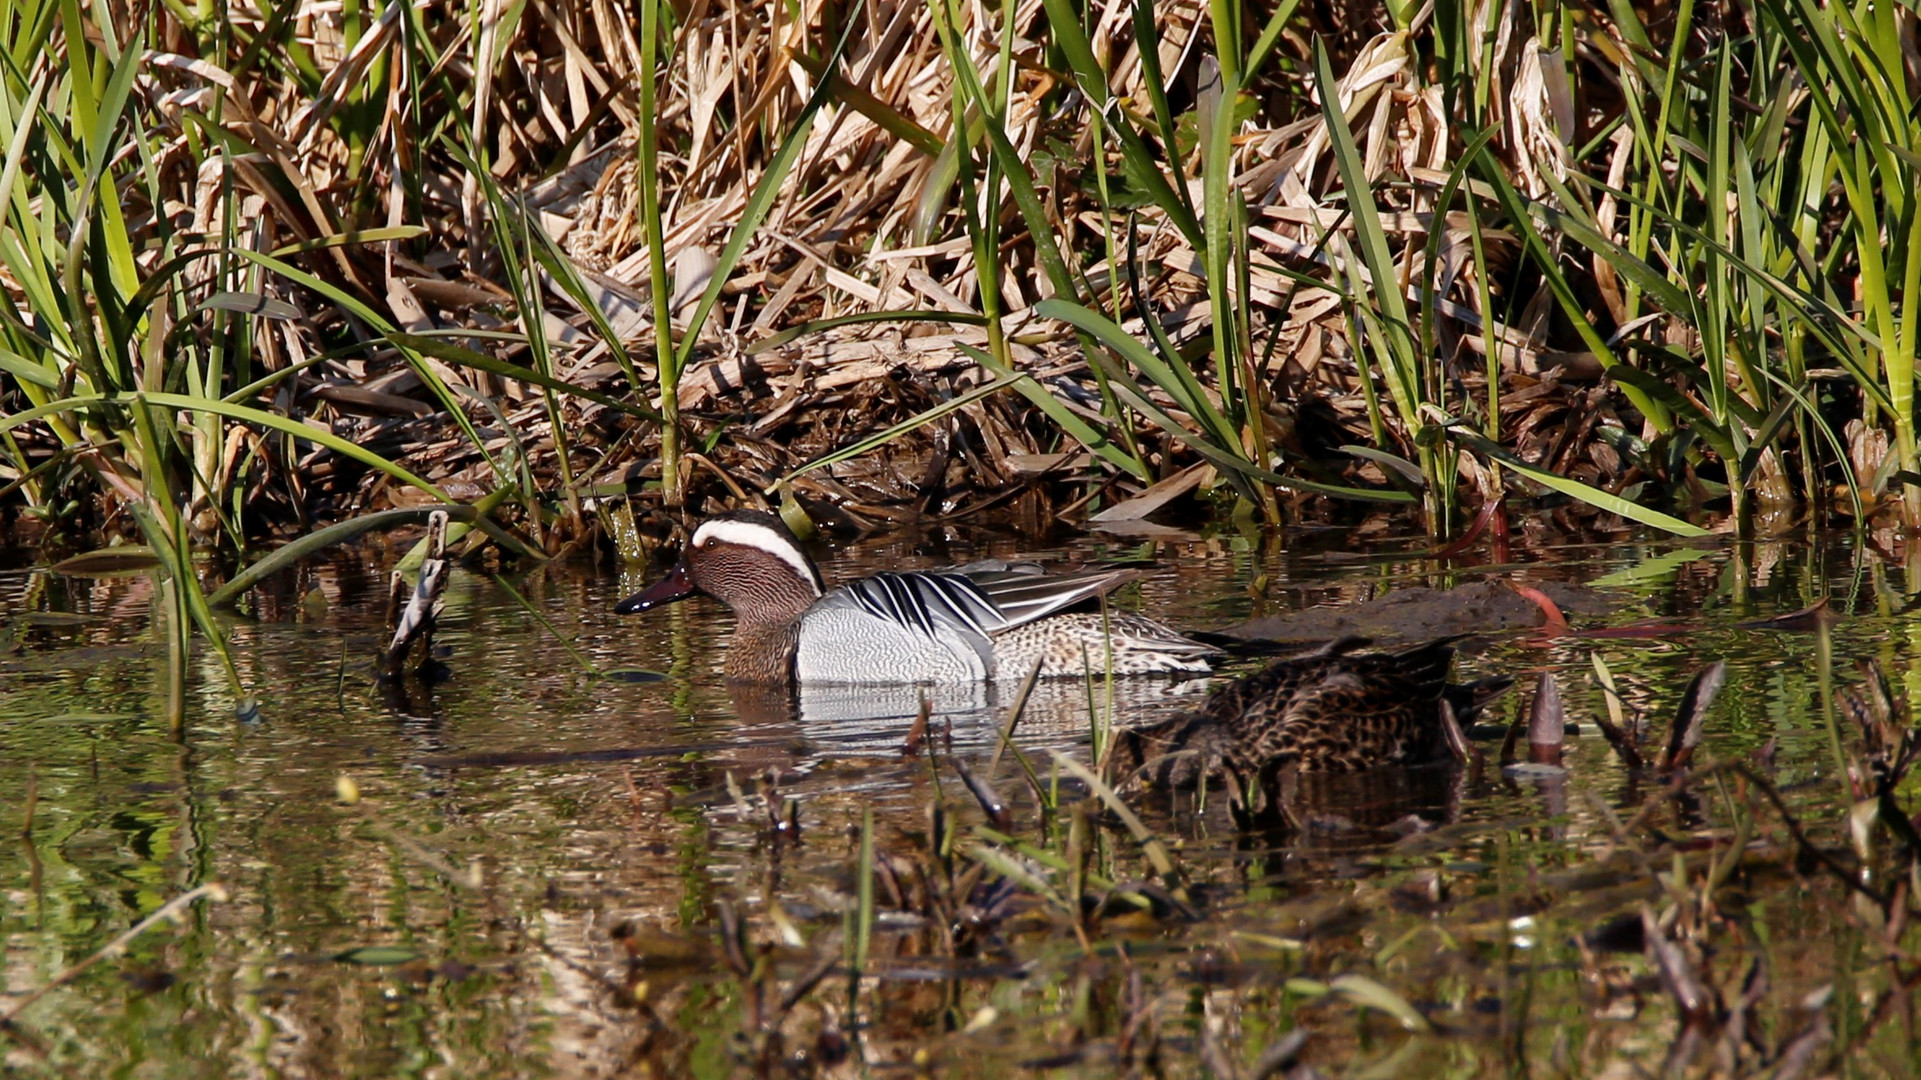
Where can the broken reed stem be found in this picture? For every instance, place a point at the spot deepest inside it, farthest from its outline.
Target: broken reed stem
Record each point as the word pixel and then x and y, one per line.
pixel 413 614
pixel 213 890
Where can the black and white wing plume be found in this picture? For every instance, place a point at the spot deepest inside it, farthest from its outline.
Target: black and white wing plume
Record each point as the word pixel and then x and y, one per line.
pixel 980 598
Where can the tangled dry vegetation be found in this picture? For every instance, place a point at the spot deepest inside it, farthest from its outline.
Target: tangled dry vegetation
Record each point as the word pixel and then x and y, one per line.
pixel 423 230
pixel 1649 940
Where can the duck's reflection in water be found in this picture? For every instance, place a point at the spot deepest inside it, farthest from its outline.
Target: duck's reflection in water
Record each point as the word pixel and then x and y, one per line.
pixel 1322 812
pixel 1393 800
pixel 842 719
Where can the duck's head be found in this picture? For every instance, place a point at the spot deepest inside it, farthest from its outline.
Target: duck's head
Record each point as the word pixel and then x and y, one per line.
pixel 746 559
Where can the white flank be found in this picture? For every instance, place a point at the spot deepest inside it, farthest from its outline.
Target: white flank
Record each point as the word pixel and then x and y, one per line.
pixel 760 538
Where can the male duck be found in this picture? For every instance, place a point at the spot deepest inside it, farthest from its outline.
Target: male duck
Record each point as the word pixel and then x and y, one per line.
pixel 1330 710
pixel 981 621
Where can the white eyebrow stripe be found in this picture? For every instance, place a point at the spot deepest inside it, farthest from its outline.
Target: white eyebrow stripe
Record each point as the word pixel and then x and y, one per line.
pixel 760 538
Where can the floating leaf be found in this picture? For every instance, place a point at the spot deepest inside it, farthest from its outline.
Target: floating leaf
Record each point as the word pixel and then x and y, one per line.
pixel 634 675
pixel 378 955
pixel 1362 990
pixel 57 618
pixel 109 562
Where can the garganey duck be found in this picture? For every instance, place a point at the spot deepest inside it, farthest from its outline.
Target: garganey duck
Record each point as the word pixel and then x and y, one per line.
pixel 982 621
pixel 1330 710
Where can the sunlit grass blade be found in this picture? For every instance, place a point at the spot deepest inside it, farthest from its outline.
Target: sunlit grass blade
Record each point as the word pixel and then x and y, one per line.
pixel 882 438
pixel 765 191
pixel 1187 393
pixel 1139 163
pixel 434 383
pixel 1063 417
pixel 440 348
pixel 673 357
pixel 1151 845
pixel 351 238
pixel 1517 211
pixel 586 665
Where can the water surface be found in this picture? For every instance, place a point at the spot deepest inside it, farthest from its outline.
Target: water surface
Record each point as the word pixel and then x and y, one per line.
pixel 532 882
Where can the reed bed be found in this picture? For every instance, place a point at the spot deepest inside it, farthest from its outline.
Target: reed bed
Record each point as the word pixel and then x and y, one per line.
pixel 274 268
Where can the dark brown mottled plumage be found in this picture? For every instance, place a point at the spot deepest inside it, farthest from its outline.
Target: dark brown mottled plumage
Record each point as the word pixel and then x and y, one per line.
pixel 1332 710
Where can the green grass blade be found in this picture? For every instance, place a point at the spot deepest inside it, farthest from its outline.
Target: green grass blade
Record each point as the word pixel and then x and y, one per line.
pixel 1063 417
pixel 882 438
pixel 762 199
pixel 1593 496
pixel 441 349
pixel 277 422
pixel 1270 37
pixel 1139 162
pixel 1185 392
pixel 1404 379
pixel 434 383
pixel 352 238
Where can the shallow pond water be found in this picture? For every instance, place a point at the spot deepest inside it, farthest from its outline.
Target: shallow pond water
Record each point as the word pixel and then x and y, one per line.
pixel 542 863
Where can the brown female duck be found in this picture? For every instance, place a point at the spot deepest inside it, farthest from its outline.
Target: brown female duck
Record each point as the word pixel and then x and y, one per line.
pixel 1331 710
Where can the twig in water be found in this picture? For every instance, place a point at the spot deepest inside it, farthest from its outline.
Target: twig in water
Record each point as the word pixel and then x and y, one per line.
pixel 413 618
pixel 213 890
pixel 32 802
pixel 633 794
pixel 1682 781
pixel 984 793
pixel 917 734
pixel 1013 718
